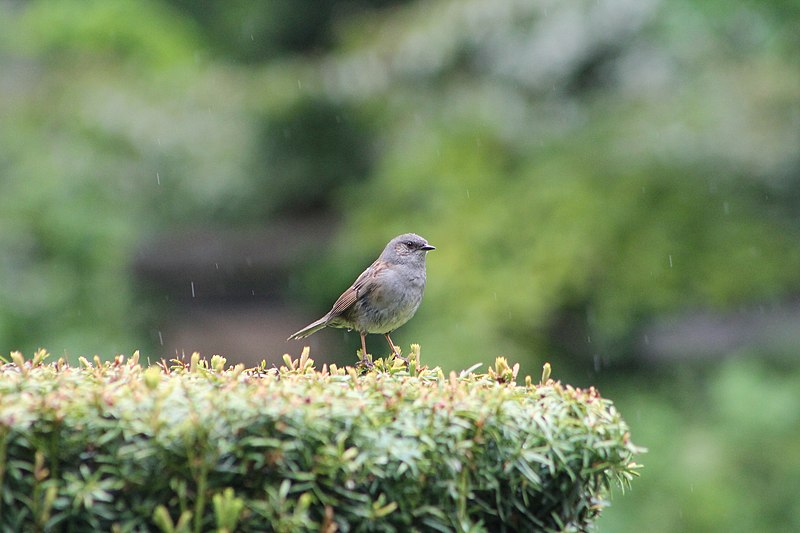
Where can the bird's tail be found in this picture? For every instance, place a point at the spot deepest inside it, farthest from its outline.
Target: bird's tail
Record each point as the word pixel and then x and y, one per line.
pixel 309 329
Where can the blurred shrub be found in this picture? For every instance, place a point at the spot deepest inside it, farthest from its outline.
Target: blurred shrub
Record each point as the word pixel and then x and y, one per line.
pixel 116 446
pixel 723 450
pixel 145 33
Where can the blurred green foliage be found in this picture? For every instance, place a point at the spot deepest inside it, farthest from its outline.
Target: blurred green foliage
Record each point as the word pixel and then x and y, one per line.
pixel 622 177
pixel 254 32
pixel 118 446
pixel 723 450
pixel 578 183
pixel 110 130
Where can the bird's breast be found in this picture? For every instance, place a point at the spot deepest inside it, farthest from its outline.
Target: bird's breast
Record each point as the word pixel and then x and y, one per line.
pixel 391 303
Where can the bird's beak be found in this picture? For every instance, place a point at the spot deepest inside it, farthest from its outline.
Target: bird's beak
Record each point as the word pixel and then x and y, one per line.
pixel 428 247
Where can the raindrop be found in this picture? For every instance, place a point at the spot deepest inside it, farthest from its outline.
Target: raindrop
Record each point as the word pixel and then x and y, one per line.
pixel 158 178
pixel 160 338
pixel 647 340
pixel 670 260
pixel 299 84
pixel 597 362
pixel 467 193
pixel 588 339
pixel 192 283
pixel 726 208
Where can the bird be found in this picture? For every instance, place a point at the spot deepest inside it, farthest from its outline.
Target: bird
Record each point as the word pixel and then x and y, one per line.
pixel 384 297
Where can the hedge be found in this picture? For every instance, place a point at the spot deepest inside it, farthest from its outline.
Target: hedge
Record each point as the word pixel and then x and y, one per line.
pixel 199 445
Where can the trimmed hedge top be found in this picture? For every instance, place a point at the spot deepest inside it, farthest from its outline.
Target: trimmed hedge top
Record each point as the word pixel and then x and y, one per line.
pixel 201 446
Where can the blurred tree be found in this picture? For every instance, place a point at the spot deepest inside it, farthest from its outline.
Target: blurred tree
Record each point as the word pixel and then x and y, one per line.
pixel 582 167
pixel 111 127
pixel 308 151
pixel 120 121
pixel 254 32
pixel 593 164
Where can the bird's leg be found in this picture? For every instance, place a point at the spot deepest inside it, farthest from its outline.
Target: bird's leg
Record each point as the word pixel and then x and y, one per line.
pixel 394 349
pixel 364 361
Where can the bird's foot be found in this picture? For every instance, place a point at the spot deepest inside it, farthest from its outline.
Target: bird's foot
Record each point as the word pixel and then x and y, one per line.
pixel 365 362
pixel 397 355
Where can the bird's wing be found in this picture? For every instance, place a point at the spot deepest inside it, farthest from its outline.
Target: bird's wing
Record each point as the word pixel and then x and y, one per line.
pixel 363 285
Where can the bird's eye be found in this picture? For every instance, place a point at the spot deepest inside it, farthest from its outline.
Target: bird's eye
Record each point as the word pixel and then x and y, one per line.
pixel 409 244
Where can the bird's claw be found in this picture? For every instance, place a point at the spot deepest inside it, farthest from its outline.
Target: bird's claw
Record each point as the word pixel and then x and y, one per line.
pixel 365 363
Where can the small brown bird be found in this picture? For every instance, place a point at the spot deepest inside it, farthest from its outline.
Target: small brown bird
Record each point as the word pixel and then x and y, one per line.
pixel 384 297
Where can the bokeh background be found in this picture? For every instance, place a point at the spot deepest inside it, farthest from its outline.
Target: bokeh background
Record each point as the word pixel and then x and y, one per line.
pixel 612 185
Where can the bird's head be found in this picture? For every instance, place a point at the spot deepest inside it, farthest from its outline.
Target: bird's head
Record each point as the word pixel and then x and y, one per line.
pixel 405 246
